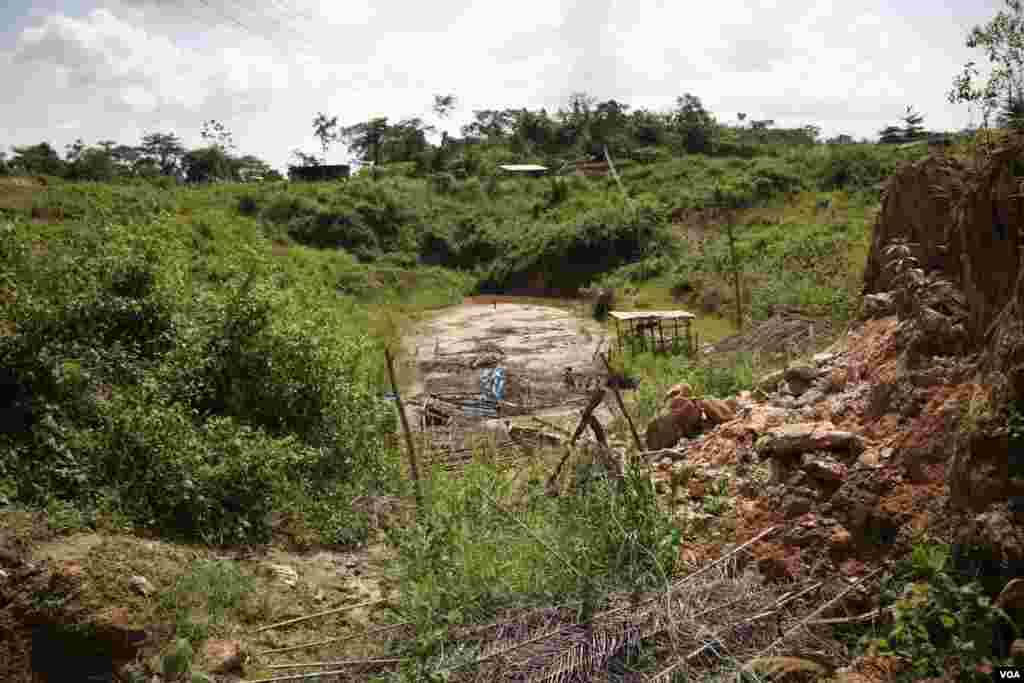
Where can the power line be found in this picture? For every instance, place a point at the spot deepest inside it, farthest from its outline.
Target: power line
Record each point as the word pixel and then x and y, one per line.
pixel 249 30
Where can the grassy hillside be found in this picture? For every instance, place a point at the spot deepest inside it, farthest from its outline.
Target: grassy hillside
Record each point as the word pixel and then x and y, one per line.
pixel 190 359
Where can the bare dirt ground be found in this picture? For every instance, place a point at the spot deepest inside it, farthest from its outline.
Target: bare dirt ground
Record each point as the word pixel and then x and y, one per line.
pixel 534 343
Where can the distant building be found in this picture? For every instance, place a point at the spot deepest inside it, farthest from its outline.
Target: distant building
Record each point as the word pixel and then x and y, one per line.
pixel 533 170
pixel 591 169
pixel 319 173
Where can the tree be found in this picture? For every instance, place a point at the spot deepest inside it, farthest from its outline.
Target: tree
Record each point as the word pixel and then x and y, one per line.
pixel 165 149
pixel 305 159
pixel 442 108
pixel 890 135
pixel 365 139
pixel 92 163
pixel 1002 40
pixel 694 124
pixel 41 158
pixel 74 150
pixel 405 140
pixel 912 128
pixel 249 169
pixel 217 135
pixel 326 130
pixel 208 164
pixel 443 105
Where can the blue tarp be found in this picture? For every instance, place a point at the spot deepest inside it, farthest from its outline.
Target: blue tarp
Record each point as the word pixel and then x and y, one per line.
pixel 492 384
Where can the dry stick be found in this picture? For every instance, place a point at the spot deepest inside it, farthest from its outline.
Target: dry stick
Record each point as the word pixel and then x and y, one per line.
pixel 869 616
pixel 343 662
pixel 405 428
pixel 622 407
pixel 689 577
pixel 559 629
pixel 332 640
pixel 595 400
pixel 805 620
pixel 552 425
pixel 336 610
pixel 298 677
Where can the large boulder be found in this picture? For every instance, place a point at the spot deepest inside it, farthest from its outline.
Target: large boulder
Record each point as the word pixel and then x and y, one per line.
pixel 682 419
pixel 805 437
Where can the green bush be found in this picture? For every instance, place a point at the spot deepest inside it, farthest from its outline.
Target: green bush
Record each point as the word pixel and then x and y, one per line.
pixel 936 617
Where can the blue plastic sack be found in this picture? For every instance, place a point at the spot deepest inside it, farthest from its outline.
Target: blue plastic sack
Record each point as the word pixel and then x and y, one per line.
pixel 492 384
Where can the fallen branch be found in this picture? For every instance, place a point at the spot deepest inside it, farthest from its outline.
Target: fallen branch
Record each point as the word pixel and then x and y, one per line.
pixel 325 613
pixel 809 617
pixel 869 616
pixel 343 662
pixel 328 641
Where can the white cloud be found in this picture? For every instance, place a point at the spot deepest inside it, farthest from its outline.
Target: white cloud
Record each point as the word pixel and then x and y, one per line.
pixel 266 68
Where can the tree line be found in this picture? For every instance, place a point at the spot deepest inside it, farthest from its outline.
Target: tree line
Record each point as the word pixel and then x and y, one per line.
pixel 157 155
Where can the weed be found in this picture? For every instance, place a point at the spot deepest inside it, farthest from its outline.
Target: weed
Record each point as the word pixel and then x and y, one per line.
pixel 202 596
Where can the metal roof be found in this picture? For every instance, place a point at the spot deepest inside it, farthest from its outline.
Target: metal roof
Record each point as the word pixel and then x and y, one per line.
pixel 642 315
pixel 522 167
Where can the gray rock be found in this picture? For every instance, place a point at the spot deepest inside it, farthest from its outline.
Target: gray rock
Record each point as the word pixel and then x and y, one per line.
pixel 823 467
pixel 796 503
pixel 878 305
pixel 824 357
pixel 808 413
pixel 141 585
pixel 795 439
pixel 810 398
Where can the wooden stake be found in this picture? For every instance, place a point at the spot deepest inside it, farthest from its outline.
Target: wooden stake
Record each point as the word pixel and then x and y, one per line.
pixel 735 273
pixel 413 466
pixel 595 401
pixel 325 613
pixel 622 407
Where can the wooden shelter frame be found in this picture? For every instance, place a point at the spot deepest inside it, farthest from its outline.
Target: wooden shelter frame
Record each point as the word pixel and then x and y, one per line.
pixel 662 328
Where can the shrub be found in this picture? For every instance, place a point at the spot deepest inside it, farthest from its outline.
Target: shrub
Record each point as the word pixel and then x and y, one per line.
pixel 937 617
pixel 248 205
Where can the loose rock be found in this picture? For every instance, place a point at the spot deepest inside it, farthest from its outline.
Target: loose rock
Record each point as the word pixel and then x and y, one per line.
pixel 224 656
pixel 141 585
pixel 795 439
pixel 717 411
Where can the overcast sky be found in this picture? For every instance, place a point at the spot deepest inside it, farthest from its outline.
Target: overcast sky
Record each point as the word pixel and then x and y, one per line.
pixel 117 69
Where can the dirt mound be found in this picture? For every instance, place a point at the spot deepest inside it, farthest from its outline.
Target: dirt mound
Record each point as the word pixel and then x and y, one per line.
pixel 789 330
pixel 968 222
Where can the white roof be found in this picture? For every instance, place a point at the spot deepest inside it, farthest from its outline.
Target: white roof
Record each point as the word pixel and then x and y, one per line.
pixel 642 315
pixel 522 167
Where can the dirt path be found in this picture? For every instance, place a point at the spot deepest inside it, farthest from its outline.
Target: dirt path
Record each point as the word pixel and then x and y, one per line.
pixel 534 343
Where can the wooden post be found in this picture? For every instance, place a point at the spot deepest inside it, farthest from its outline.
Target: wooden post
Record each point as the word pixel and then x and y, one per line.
pixel 622 407
pixel 413 466
pixel 735 272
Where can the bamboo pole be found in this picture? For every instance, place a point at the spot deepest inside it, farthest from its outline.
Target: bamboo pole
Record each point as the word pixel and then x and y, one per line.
pixel 413 466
